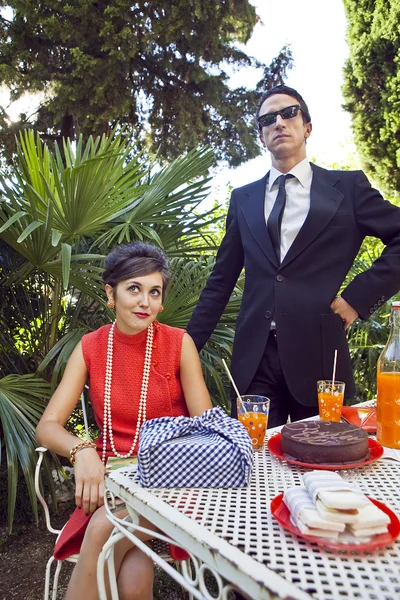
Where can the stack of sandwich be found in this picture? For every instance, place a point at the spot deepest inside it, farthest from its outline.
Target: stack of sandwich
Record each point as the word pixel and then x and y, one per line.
pixel 328 506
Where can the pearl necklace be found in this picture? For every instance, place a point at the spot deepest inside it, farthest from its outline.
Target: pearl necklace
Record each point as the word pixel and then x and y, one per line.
pixel 107 394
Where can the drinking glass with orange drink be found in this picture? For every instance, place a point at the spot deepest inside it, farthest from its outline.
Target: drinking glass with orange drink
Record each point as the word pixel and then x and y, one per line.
pixel 330 399
pixel 253 413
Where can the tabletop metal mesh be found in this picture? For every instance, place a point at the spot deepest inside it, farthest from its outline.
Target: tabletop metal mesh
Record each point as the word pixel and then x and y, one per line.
pixel 243 517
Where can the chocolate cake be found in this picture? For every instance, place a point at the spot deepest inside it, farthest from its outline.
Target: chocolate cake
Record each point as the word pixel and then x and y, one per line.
pixel 324 442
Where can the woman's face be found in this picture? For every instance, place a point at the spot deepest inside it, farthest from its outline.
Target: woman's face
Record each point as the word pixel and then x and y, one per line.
pixel 137 301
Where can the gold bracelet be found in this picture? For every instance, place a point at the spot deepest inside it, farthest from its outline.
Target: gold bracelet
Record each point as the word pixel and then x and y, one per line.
pixel 77 448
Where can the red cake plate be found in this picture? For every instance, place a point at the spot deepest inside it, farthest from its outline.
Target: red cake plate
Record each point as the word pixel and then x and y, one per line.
pixel 375 452
pixel 282 515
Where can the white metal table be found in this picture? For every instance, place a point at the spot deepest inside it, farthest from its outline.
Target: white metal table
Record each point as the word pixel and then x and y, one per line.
pixel 232 533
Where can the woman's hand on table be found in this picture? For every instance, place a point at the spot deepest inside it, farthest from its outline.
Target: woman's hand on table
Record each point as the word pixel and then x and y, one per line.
pixel 89 480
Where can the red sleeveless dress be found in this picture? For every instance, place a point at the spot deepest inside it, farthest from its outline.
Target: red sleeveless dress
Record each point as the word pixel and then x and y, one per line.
pixel 164 397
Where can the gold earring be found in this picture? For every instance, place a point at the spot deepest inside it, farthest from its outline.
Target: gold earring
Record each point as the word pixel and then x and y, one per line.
pixel 111 303
pixel 161 309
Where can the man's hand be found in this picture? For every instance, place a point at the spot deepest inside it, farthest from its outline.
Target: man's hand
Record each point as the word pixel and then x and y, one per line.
pixel 346 312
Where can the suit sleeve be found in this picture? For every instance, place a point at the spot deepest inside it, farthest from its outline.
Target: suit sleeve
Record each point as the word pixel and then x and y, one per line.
pixel 379 218
pixel 220 284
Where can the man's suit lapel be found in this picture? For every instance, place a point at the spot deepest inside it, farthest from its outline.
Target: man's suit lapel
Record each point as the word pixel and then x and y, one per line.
pixel 253 212
pixel 324 203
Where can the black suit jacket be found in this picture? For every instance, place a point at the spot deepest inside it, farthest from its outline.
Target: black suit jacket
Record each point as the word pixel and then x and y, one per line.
pixel 344 208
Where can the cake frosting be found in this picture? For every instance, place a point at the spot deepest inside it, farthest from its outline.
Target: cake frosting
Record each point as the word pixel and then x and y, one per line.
pixel 324 442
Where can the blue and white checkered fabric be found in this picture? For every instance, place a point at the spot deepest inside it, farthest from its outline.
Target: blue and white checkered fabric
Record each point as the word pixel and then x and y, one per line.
pixel 208 451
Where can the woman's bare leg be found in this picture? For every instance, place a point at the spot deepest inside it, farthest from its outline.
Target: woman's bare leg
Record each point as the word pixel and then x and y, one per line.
pixel 136 576
pixel 83 582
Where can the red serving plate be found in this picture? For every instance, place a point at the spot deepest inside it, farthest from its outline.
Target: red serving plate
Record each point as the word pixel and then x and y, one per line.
pixel 375 450
pixel 360 417
pixel 282 515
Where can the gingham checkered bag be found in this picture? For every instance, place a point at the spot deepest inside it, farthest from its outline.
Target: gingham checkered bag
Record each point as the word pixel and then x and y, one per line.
pixel 208 451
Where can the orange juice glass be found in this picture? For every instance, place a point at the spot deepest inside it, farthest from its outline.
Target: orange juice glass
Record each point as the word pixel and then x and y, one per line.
pixel 388 409
pixel 330 399
pixel 253 413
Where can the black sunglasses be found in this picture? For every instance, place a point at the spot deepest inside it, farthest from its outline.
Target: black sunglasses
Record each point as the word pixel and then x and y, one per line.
pixel 286 113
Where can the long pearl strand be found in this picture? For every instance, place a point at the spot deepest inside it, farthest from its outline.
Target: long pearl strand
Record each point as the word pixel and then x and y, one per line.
pixel 107 394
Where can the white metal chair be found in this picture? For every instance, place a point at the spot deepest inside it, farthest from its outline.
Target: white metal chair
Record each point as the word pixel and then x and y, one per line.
pixel 159 548
pixel 74 557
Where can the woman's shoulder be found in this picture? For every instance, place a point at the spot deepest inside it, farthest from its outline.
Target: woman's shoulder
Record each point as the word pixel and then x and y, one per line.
pixel 96 336
pixel 166 331
pixel 169 340
pixel 94 345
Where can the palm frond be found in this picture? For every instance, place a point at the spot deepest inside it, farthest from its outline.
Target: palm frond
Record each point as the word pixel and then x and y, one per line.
pixel 189 278
pixel 58 356
pixel 170 198
pixel 60 211
pixel 21 406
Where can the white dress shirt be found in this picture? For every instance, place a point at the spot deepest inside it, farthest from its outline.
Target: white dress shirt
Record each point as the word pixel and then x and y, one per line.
pixel 297 201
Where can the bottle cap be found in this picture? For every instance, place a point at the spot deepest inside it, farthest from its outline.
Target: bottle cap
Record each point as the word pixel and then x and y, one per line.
pixel 396 305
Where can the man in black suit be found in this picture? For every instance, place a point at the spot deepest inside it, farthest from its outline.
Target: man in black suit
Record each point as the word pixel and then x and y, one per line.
pixel 296 245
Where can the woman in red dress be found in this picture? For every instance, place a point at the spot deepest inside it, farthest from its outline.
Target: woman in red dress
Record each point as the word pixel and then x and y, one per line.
pixel 137 369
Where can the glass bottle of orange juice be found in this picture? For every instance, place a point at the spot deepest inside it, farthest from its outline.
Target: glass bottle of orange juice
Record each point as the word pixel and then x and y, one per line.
pixel 388 385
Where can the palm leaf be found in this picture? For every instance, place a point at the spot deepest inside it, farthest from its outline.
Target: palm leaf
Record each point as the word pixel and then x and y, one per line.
pixel 170 197
pixel 21 406
pixel 189 278
pixel 60 353
pixel 59 213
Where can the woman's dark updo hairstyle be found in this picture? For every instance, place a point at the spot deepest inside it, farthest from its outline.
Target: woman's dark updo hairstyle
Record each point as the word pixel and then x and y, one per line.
pixel 136 260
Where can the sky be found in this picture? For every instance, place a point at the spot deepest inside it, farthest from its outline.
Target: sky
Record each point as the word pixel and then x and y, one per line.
pixel 315 30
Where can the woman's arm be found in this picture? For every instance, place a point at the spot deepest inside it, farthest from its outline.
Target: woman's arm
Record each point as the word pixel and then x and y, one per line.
pixel 51 432
pixel 193 384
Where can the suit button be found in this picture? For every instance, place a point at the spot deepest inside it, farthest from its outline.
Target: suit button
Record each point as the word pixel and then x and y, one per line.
pixel 280 278
pixel 371 310
pixel 268 314
pixel 383 298
pixel 375 306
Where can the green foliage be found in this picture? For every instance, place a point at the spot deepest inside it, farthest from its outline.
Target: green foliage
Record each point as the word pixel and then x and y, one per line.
pixel 188 280
pixel 158 67
pixel 59 216
pixel 372 85
pixel 21 406
pixel 367 338
pixel 215 230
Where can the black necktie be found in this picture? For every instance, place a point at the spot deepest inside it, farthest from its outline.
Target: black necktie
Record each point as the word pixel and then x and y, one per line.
pixel 275 218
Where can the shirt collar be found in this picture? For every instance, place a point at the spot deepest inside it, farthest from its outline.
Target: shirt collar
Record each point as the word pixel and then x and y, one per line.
pixel 302 171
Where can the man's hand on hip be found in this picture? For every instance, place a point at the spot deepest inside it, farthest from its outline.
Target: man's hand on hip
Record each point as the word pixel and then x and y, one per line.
pixel 346 312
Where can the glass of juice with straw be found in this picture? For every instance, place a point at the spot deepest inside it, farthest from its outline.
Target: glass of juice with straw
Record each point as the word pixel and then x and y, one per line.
pixel 330 399
pixel 253 413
